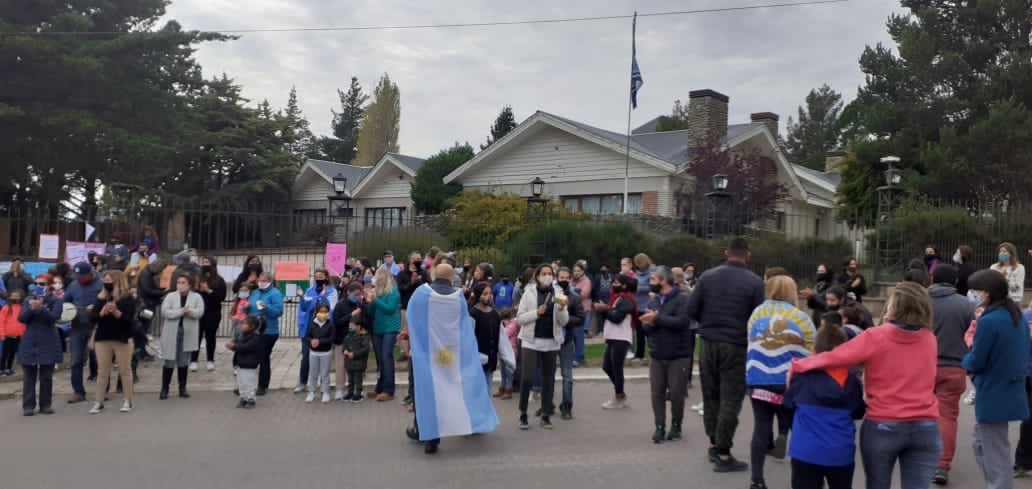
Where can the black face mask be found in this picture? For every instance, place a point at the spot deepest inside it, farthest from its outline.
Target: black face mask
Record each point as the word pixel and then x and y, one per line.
pixel 207 268
pixel 16 300
pixel 109 287
pixel 563 284
pixel 655 288
pixel 418 264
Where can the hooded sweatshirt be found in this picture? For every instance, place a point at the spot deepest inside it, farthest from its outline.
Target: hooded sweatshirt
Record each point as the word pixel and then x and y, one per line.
pixel 952 314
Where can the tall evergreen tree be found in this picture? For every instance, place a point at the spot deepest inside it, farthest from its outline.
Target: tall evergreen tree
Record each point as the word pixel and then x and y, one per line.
pixel 429 192
pixel 817 129
pixel 297 134
pixel 379 132
pixel 342 146
pixel 676 121
pixel 503 124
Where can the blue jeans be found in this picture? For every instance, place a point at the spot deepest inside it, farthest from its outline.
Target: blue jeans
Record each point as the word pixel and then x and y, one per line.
pixel 305 349
pixel 383 347
pixel 566 355
pixel 578 338
pixel 915 444
pixel 78 343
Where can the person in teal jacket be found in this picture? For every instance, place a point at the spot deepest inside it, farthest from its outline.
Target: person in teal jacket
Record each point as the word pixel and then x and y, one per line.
pixel 999 363
pixel 386 311
pixel 266 304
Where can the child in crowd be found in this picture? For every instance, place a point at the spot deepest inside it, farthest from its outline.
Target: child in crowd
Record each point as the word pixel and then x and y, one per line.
pixel 512 332
pixel 247 353
pixel 239 315
pixel 487 328
pixel 852 318
pixel 320 353
pixel 969 340
pixel 356 359
pixel 825 403
pixel 11 331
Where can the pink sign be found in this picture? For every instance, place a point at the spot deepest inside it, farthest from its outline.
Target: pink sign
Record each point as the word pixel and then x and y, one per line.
pixel 336 257
pixel 77 251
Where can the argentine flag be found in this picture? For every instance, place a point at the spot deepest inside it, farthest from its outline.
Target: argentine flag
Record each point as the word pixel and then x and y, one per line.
pixel 451 396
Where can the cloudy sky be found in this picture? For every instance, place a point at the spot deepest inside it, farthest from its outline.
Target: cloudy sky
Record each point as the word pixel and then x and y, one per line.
pixel 454 81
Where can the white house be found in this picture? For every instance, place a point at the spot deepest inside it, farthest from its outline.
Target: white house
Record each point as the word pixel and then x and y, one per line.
pixel 584 166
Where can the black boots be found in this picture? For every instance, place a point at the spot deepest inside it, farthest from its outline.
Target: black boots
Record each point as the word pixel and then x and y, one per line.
pixel 675 432
pixel 659 435
pixel 182 372
pixel 166 380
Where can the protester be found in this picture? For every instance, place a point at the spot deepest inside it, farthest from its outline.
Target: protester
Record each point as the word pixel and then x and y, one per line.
pixel 114 310
pixel 139 261
pixel 39 352
pixel 389 264
pixel 319 337
pixel 1007 263
pixel 814 296
pixel 722 303
pixel 836 298
pixel 691 275
pixel 825 404
pixel 601 290
pixel 931 259
pixel 778 333
pixel 16 278
pixel 964 258
pixel 83 294
pixel 543 315
pixel 899 360
pixel 247 354
pixel 620 314
pixel 250 273
pixel 320 293
pixel 238 315
pixel 952 314
pixel 526 277
pixel 998 361
pixel 348 311
pixel 581 285
pixel 212 288
pixel 853 281
pixel 386 312
pixel 409 279
pixel 643 269
pixel 568 350
pixel 267 304
pixel 355 351
pixel 181 310
pixel 667 327
pixel 487 325
pixel 116 254
pixel 503 292
pixel 11 331
pixel 150 293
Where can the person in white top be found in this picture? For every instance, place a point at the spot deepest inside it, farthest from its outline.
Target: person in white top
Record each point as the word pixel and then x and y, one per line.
pixel 1008 264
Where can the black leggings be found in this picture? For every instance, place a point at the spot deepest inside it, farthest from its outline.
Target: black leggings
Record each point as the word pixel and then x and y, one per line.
pixel 10 352
pixel 639 342
pixel 207 333
pixel 530 361
pixel 764 414
pixel 613 363
pixel 811 476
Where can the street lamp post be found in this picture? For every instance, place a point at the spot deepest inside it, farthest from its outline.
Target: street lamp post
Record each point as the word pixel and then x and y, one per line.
pixel 537 211
pixel 340 187
pixel 720 202
pixel 888 247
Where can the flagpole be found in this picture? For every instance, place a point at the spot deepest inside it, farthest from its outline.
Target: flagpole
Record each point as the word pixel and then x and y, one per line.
pixel 630 107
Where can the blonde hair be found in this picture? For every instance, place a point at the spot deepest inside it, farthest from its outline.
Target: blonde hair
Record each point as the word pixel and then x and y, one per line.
pixel 383 282
pixel 642 262
pixel 121 289
pixel 911 305
pixel 782 288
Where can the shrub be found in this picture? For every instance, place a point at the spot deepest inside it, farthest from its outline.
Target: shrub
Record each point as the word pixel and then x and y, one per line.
pixel 478 219
pixel 574 240
pixel 372 242
pixel 496 257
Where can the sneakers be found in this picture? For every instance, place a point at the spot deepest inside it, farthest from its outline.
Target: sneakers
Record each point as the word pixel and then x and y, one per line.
pixel 193 366
pixel 546 423
pixel 310 397
pixel 780 445
pixel 126 407
pixel 299 388
pixel 565 414
pixel 758 485
pixel 210 366
pixel 941 477
pixel 659 435
pixel 357 399
pixel 326 398
pixel 241 404
pixel 339 396
pixel 729 463
pixel 713 455
pixel 29 412
pixel 698 408
pixel 97 408
pixel 524 425
pixel 675 432
pixel 614 403
pixel 969 399
pixel 46 411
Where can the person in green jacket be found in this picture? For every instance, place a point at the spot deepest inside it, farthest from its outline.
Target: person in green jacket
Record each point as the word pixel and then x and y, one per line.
pixel 385 306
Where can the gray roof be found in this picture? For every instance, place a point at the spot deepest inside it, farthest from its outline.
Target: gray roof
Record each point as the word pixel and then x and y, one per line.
pixel 353 173
pixel 410 161
pixel 833 179
pixel 649 126
pixel 669 146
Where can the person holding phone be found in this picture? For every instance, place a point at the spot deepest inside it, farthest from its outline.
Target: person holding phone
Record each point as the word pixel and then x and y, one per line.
pixel 112 341
pixel 40 351
pixel 267 304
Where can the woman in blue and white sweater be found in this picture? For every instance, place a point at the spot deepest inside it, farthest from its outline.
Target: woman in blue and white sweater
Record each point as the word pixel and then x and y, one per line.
pixel 778 333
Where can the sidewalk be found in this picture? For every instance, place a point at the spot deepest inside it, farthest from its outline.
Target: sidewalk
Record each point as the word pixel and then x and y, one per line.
pixel 286 360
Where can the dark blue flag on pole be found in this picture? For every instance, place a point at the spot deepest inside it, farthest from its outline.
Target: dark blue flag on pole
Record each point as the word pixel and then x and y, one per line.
pixel 636 80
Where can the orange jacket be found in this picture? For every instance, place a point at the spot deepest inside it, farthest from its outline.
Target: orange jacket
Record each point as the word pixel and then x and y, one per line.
pixel 9 323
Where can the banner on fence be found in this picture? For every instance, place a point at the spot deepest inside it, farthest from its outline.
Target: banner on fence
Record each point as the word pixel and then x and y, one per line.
pixel 77 251
pixel 336 257
pixel 290 277
pixel 33 268
pixel 49 246
pixel 229 273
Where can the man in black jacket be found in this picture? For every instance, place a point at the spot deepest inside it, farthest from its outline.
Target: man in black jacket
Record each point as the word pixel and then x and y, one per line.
pixel 667 328
pixel 409 279
pixel 722 302
pixel 568 350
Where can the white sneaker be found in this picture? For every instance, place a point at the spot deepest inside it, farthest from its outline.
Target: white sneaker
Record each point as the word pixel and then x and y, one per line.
pixel 614 404
pixel 630 355
pixel 969 399
pixel 193 366
pixel 326 398
pixel 310 397
pixel 299 389
pixel 126 406
pixel 698 408
pixel 97 408
pixel 210 366
pixel 338 396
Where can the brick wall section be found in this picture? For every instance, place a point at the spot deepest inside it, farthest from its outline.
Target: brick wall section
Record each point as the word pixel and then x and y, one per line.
pixel 707 116
pixel 650 203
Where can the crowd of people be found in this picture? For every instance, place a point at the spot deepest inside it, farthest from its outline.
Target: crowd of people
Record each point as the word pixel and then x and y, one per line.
pixel 810 372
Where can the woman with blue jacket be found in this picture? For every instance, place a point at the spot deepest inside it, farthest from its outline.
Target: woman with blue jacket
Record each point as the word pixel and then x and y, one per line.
pixel 266 303
pixel 320 293
pixel 998 362
pixel 39 351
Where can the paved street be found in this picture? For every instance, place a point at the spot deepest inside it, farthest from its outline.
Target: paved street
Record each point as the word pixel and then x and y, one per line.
pixel 204 442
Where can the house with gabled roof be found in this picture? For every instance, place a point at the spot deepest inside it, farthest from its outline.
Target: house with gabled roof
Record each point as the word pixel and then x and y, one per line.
pixel 584 166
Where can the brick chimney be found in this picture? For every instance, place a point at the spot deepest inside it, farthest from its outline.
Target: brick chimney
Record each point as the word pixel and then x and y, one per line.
pixel 833 161
pixel 707 116
pixel 770 119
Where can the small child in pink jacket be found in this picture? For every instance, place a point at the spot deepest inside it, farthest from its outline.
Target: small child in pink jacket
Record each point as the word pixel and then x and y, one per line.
pixel 512 331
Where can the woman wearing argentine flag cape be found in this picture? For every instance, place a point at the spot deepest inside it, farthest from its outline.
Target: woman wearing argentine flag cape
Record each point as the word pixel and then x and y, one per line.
pixel 451 397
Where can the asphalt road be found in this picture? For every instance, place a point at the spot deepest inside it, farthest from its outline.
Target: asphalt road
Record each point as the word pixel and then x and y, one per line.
pixel 204 442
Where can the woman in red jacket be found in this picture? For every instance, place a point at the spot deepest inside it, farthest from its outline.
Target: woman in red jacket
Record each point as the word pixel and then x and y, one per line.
pixel 899 359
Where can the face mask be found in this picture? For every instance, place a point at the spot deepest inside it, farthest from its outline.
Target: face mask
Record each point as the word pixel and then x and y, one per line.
pixel 833 308
pixel 264 285
pixel 353 299
pixel 85 280
pixel 1004 257
pixel 322 316
pixel 655 288
pixel 418 264
pixel 254 268
pixel 57 286
pixel 958 259
pixel 109 287
pixel 563 284
pixel 321 283
pixel 243 294
pixel 545 280
pixel 689 275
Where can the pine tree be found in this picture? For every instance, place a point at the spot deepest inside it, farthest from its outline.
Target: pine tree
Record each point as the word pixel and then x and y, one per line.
pixel 817 129
pixel 676 121
pixel 342 146
pixel 379 131
pixel 299 139
pixel 503 124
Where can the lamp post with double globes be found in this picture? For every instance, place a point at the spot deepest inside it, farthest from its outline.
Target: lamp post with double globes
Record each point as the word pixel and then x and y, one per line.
pixel 340 187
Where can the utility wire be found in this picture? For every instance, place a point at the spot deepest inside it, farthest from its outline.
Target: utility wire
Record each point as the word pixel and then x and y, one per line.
pixel 566 20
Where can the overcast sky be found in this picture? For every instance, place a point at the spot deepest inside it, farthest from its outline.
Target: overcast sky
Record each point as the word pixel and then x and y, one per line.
pixel 454 81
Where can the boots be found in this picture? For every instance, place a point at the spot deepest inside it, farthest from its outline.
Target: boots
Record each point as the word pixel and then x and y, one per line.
pixel 506 394
pixel 166 380
pixel 675 431
pixel 660 435
pixel 182 373
pixel 500 393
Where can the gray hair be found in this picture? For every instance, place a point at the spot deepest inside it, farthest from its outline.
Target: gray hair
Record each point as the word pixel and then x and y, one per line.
pixel 664 274
pixel 267 276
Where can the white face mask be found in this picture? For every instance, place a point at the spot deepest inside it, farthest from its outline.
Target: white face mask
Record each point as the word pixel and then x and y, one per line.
pixel 545 280
pixel 958 259
pixel 243 294
pixel 57 286
pixel 264 285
